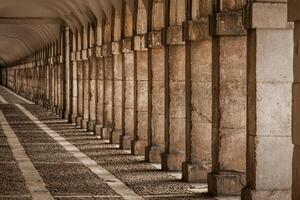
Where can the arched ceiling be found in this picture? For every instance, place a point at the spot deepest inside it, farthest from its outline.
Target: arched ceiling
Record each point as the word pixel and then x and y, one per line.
pixel 29 25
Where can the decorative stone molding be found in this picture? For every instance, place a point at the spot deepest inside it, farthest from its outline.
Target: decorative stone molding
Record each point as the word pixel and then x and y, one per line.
pixel 106 50
pixel 196 30
pixel 127 45
pixel 84 54
pixel 91 52
pixel 73 56
pixel 175 35
pixel 227 24
pixel 60 59
pixel 155 39
pixel 78 55
pixel 116 48
pixel 98 52
pixel 267 15
pixel 140 43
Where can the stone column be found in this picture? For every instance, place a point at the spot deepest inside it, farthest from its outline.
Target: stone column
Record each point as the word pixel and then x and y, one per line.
pixel 199 91
pixel 79 81
pixel 108 80
pixel 100 91
pixel 174 154
pixel 129 75
pixel 118 97
pixel 74 80
pixel 67 70
pixel 270 78
pixel 229 100
pixel 294 15
pixel 142 81
pixel 92 78
pixel 156 53
pixel 86 81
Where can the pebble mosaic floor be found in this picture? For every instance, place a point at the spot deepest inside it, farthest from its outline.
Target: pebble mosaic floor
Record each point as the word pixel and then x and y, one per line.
pixel 73 164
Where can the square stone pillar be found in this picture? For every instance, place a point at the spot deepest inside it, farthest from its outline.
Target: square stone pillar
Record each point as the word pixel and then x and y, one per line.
pixel 294 16
pixel 118 93
pixel 74 86
pixel 229 81
pixel 157 85
pixel 108 91
pixel 129 93
pixel 174 154
pixel 68 72
pixel 93 91
pixel 100 91
pixel 199 94
pixel 80 89
pixel 142 91
pixel 270 78
pixel 86 89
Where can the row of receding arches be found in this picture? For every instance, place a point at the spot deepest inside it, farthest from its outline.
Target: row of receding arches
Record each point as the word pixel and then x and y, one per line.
pixel 40 22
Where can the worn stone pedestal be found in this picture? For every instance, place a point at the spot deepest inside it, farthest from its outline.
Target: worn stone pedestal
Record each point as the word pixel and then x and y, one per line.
pixel 126 141
pixel 84 124
pixel 248 194
pixel 91 126
pixel 138 147
pixel 226 183
pixel 73 119
pixel 106 132
pixel 195 172
pixel 153 153
pixel 172 161
pixel 115 137
pixel 98 129
pixel 79 121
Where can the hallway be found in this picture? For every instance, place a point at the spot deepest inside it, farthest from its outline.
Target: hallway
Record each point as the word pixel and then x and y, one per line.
pixel 45 157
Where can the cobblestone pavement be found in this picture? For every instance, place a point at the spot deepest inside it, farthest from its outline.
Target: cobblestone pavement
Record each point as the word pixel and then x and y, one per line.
pixel 72 164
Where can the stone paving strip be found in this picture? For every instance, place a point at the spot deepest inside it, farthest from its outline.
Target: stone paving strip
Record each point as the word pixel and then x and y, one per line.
pixel 118 186
pixel 34 182
pixel 16 95
pixel 2 100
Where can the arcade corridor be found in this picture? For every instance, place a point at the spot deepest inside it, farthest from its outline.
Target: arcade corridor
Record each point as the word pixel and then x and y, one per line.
pixel 150 99
pixel 45 157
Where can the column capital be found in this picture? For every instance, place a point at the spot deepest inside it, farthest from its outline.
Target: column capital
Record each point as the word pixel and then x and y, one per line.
pixel 116 47
pixel 127 45
pixel 196 30
pixel 267 16
pixel 175 35
pixel 106 50
pixel 140 42
pixel 227 24
pixel 155 39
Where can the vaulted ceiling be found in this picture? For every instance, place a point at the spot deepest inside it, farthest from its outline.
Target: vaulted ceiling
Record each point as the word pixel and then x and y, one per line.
pixel 29 25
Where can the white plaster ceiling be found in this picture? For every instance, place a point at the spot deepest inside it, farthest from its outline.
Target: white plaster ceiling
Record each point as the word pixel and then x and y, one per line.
pixel 29 25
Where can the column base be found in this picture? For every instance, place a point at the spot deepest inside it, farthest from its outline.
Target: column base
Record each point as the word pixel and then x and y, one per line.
pixel 138 147
pixel 172 161
pixel 98 129
pixel 84 124
pixel 67 116
pixel 226 183
pixel 153 153
pixel 91 125
pixel 106 131
pixel 79 121
pixel 115 137
pixel 195 172
pixel 73 119
pixel 248 194
pixel 126 142
pixel 61 113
